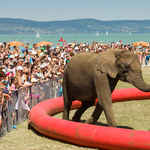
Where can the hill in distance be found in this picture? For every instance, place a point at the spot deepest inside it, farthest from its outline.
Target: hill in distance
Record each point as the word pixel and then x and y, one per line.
pixel 78 26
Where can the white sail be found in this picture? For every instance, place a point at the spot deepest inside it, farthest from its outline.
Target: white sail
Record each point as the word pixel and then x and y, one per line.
pixel 37 35
pixel 106 33
pixel 97 34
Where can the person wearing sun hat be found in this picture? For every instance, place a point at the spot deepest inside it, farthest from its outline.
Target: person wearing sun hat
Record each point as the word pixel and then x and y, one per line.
pixel 33 55
pixel 42 51
pixel 11 59
pixel 19 75
pixel 42 48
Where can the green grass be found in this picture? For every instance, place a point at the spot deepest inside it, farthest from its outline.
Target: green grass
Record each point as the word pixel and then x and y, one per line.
pixel 131 115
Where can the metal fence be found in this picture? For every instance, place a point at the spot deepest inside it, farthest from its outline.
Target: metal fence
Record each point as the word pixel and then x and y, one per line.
pixel 22 100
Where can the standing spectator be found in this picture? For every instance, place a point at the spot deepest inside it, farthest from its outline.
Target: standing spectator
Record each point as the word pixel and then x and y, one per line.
pixel 20 61
pixel 19 76
pixel 1 106
pixel 33 71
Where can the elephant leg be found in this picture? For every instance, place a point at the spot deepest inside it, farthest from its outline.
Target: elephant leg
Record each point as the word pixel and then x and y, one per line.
pixel 97 112
pixel 108 110
pixel 67 101
pixel 67 106
pixel 85 105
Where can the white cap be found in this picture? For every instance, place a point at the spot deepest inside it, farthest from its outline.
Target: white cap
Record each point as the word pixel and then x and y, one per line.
pixel 48 58
pixel 16 54
pixel 42 66
pixel 45 64
pixel 33 52
pixel 19 68
pixel 4 71
pixel 12 56
pixel 34 80
pixel 76 48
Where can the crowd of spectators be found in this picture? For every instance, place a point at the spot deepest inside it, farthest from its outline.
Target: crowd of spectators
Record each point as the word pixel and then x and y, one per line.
pixel 32 64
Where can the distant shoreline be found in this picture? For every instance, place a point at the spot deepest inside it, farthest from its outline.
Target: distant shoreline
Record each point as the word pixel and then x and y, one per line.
pixel 78 26
pixel 76 34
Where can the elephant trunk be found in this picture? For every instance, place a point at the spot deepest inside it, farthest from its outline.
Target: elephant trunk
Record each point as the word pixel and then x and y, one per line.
pixel 139 82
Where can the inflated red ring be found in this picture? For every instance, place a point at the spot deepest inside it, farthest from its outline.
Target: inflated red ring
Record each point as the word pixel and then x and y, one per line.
pixel 85 134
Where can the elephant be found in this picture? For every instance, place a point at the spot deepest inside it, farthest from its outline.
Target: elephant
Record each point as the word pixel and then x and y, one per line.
pixel 88 76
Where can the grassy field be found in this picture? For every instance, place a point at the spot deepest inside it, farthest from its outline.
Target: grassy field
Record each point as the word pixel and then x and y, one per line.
pixel 131 115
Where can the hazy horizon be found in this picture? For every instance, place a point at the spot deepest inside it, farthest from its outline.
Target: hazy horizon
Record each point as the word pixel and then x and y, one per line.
pixel 75 19
pixel 49 10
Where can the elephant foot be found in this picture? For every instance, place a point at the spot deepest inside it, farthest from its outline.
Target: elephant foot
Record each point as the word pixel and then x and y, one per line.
pixel 112 125
pixel 90 121
pixel 65 117
pixel 75 119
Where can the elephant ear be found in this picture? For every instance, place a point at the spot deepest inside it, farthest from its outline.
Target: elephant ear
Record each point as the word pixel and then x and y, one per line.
pixel 105 63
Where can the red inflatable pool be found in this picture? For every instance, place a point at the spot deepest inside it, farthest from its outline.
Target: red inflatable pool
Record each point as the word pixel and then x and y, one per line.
pixel 85 134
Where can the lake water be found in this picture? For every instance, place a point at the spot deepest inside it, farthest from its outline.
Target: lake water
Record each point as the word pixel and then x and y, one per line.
pixel 126 38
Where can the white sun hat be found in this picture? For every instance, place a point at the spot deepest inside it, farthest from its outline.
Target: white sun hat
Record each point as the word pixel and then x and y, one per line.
pixel 12 56
pixel 42 66
pixel 45 64
pixel 16 54
pixel 76 48
pixel 19 68
pixel 49 58
pixel 33 52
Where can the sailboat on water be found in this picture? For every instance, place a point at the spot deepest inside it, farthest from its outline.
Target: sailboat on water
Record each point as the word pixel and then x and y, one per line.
pixel 106 32
pixel 97 34
pixel 37 35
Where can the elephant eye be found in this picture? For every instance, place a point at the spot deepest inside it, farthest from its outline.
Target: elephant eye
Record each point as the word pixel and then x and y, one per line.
pixel 126 68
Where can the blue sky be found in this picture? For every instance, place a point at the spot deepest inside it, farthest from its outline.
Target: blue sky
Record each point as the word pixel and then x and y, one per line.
pixel 52 10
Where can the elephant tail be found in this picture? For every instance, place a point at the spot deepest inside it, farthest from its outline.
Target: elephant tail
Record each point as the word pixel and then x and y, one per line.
pixel 65 85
